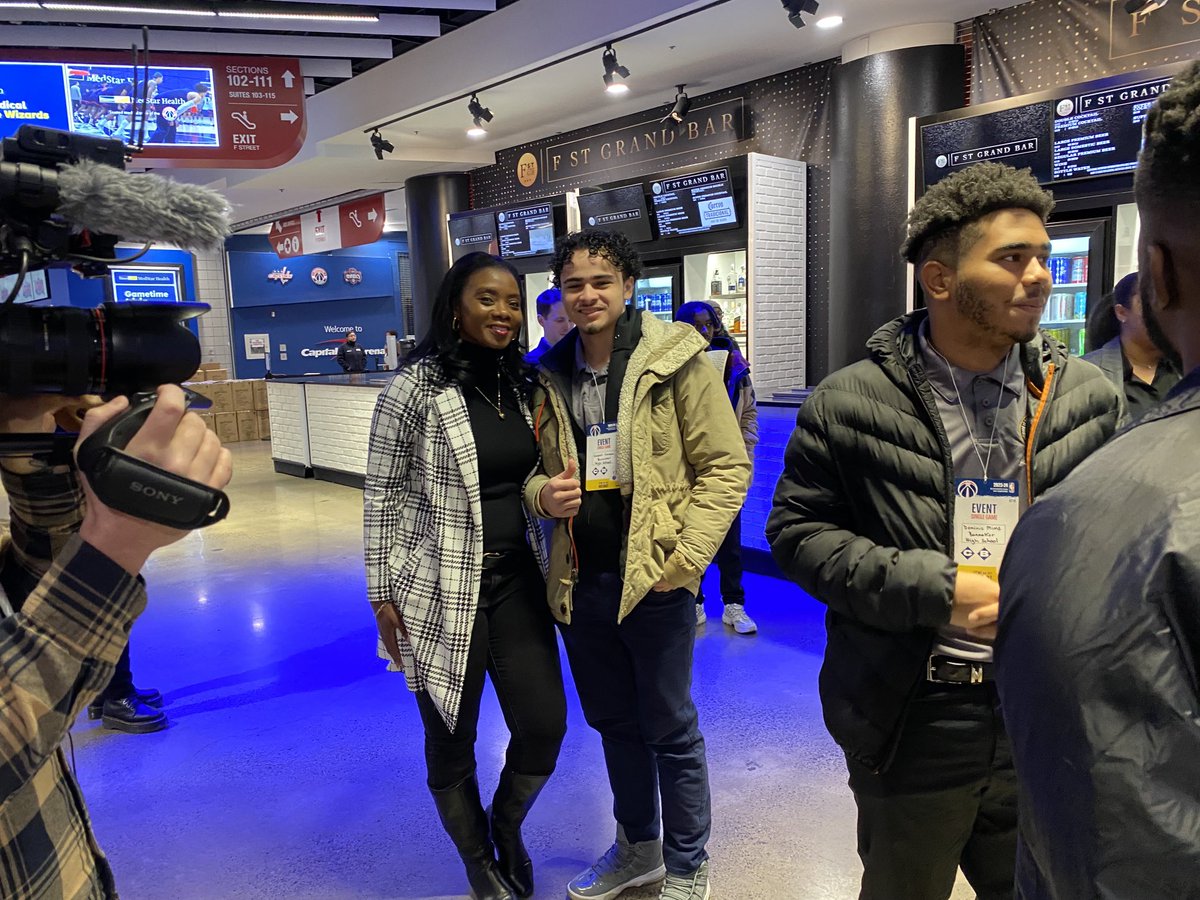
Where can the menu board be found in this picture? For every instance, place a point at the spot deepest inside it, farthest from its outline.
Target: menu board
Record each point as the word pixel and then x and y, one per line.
pixel 526 230
pixel 147 284
pixel 473 232
pixel 1100 132
pixel 690 204
pixel 1017 137
pixel 622 210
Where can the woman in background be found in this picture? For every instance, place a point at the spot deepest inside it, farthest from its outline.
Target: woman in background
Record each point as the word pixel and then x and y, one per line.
pixel 454 563
pixel 735 373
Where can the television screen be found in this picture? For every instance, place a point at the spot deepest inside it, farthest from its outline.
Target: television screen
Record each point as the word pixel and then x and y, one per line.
pixel 35 287
pixel 689 204
pixel 1018 137
pixel 622 209
pixel 472 232
pixel 1099 132
pixel 147 284
pixel 526 230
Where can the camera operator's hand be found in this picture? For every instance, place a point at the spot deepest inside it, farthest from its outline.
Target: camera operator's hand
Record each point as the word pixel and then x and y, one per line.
pixel 37 413
pixel 172 439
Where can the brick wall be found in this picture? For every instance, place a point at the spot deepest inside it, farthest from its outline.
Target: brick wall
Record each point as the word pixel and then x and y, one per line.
pixel 214 325
pixel 775 424
pixel 289 423
pixel 778 240
pixel 339 425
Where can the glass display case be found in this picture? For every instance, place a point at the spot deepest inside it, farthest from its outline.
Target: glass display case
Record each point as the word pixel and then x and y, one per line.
pixel 721 279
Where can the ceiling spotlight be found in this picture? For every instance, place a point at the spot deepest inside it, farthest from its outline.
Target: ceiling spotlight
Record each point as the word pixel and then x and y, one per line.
pixel 380 144
pixel 479 115
pixel 1137 7
pixel 612 69
pixel 829 22
pixel 795 8
pixel 682 104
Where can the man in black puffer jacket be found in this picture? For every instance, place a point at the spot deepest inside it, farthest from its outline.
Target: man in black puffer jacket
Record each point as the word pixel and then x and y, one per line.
pixel 901 483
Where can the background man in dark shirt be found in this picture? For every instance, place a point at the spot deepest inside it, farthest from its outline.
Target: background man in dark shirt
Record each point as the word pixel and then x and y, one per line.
pixel 350 356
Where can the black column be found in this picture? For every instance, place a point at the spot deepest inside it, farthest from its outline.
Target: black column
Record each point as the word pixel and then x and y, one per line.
pixel 429 199
pixel 873 98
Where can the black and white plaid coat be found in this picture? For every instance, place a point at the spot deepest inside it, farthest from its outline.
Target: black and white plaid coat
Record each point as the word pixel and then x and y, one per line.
pixel 423 527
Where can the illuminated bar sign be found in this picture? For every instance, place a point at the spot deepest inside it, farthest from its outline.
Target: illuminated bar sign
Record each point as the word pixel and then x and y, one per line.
pixel 203 112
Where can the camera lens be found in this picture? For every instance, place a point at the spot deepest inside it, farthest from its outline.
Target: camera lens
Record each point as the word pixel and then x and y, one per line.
pixel 112 349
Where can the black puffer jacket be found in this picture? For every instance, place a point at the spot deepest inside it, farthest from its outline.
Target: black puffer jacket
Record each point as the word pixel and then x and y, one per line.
pixel 862 515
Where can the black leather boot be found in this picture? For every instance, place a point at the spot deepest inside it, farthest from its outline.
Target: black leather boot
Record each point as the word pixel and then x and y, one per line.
pixel 465 821
pixel 514 798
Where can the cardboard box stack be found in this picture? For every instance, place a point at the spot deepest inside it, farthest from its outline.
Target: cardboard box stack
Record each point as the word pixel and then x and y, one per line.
pixel 239 408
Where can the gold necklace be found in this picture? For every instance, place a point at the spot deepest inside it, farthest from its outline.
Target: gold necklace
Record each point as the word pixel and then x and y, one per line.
pixel 496 406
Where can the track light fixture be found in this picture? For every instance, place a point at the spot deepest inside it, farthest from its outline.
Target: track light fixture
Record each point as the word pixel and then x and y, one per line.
pixel 1136 7
pixel 682 104
pixel 380 144
pixel 795 8
pixel 479 115
pixel 612 69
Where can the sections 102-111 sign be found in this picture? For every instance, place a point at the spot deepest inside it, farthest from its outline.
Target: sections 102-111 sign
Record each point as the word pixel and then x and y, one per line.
pixel 185 110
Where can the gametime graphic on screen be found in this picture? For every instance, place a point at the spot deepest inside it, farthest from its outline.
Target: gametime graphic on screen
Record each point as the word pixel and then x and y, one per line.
pixel 104 101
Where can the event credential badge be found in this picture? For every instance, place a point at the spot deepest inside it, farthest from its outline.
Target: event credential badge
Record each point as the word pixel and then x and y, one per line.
pixel 985 514
pixel 601 472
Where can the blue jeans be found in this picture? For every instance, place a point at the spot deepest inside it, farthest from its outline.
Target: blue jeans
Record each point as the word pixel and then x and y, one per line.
pixel 635 686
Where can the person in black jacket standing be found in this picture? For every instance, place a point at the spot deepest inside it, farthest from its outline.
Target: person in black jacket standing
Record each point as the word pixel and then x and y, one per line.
pixel 1099 638
pixel 901 483
pixel 350 356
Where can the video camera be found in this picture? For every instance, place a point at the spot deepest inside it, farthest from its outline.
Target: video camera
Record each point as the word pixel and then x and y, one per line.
pixel 64 200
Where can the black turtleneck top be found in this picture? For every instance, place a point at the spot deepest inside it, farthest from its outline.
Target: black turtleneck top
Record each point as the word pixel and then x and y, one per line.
pixel 504 447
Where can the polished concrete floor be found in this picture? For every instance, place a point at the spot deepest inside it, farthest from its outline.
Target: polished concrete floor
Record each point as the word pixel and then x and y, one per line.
pixel 293 766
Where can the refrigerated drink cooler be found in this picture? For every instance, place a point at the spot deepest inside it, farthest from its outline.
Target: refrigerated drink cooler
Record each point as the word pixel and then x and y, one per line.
pixel 1077 252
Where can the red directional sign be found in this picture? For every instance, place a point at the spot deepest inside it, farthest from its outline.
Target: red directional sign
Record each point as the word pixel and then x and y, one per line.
pixel 186 110
pixel 349 224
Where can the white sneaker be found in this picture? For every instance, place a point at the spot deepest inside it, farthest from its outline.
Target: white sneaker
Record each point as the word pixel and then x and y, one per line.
pixel 735 615
pixel 701 615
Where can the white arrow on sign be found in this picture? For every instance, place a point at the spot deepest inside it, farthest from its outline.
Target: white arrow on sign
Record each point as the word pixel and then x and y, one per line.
pixel 288 116
pixel 275 226
pixel 372 215
pixel 288 78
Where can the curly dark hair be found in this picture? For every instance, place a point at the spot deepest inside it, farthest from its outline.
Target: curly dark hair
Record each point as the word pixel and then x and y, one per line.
pixel 444 345
pixel 1170 157
pixel 609 245
pixel 942 222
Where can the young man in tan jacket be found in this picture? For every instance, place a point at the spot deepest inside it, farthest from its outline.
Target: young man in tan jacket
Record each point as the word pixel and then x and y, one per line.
pixel 632 406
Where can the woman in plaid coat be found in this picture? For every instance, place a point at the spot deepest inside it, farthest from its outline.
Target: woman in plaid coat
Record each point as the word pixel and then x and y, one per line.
pixel 454 564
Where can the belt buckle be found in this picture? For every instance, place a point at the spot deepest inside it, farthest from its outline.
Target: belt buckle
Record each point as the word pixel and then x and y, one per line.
pixel 974 676
pixel 976 673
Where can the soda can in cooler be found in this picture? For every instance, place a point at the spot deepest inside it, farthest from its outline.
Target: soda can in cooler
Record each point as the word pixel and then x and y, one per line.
pixel 1058 269
pixel 1078 270
pixel 1080 304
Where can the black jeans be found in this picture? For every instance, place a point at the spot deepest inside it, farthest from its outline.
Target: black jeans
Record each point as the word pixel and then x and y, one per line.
pixel 949 799
pixel 121 683
pixel 729 565
pixel 513 642
pixel 635 686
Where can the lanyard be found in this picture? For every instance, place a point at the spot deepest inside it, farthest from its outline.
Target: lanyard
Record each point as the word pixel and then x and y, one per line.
pixel 983 462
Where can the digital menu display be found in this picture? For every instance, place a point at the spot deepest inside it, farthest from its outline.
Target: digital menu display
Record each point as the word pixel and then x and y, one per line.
pixel 622 209
pixel 1100 132
pixel 147 284
pixel 694 203
pixel 473 232
pixel 1018 137
pixel 526 230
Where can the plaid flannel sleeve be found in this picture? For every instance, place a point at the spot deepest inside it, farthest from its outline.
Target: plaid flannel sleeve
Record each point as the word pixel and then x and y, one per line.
pixel 62 645
pixel 389 459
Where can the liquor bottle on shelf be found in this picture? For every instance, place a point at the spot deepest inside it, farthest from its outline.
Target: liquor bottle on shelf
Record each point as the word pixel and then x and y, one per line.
pixel 741 282
pixel 731 281
pixel 737 325
pixel 715 287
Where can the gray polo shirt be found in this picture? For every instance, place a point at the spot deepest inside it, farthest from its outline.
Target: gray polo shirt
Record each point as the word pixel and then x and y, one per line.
pixel 589 390
pixel 973 404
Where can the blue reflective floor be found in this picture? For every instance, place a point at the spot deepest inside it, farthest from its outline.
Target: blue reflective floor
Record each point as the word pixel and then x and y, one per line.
pixel 293 766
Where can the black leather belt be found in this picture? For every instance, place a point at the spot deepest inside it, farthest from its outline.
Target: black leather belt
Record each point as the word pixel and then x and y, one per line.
pixel 948 670
pixel 498 560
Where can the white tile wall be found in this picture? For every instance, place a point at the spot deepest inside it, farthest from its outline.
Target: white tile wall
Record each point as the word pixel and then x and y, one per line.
pixel 339 425
pixel 778 232
pixel 289 423
pixel 214 325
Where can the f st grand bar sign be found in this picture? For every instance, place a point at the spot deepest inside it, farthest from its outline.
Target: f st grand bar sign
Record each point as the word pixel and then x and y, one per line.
pixel 644 140
pixel 1166 27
